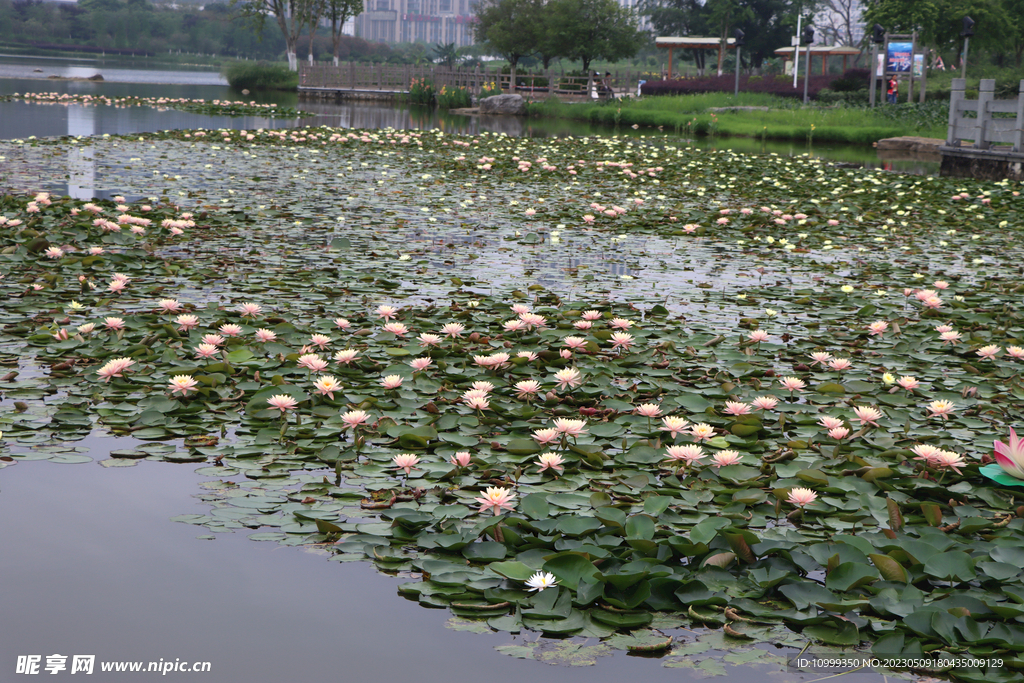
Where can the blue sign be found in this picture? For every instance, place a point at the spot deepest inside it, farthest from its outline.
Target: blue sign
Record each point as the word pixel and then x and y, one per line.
pixel 899 57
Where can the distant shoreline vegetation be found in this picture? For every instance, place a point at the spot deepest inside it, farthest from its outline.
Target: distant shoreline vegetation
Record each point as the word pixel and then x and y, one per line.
pixel 708 115
pixel 260 76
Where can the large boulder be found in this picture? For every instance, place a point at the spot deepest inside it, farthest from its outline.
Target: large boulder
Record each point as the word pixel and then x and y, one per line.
pixel 508 105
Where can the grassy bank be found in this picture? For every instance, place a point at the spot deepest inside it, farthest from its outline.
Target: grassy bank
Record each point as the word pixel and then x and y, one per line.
pixel 260 76
pixel 784 120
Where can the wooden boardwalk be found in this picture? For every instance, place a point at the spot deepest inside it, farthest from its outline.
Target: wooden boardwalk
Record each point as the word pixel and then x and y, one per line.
pixel 386 81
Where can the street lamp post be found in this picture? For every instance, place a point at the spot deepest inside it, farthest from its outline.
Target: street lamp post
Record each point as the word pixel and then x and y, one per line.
pixel 877 38
pixel 738 35
pixel 807 39
pixel 966 35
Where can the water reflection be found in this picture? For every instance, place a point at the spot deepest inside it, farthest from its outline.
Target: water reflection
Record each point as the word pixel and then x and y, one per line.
pixel 21 120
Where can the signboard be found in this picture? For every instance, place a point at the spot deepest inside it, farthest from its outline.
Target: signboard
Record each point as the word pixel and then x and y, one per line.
pixel 899 57
pixel 918 65
pixel 880 67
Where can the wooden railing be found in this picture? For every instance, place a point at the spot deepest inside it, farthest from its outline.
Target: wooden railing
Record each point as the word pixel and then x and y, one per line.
pixel 356 76
pixel 986 128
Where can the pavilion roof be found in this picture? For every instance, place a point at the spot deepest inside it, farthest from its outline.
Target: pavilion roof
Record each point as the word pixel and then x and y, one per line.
pixel 698 42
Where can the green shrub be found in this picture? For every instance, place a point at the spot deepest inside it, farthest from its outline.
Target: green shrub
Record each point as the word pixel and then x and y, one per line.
pixel 453 98
pixel 421 91
pixel 260 76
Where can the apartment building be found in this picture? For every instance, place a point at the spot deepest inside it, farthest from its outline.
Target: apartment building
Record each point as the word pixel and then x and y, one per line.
pixel 408 21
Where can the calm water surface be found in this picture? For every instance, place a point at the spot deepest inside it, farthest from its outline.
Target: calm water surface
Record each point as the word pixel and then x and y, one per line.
pixel 21 119
pixel 92 563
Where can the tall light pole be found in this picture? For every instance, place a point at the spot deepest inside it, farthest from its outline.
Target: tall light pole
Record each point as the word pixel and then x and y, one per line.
pixel 877 38
pixel 738 35
pixel 807 39
pixel 966 35
pixel 796 49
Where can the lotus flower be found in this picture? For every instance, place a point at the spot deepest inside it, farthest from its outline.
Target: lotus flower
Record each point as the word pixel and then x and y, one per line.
pixel 541 580
pixel 1011 456
pixel 497 499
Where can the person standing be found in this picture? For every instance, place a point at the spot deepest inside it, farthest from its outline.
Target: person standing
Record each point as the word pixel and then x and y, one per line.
pixel 892 94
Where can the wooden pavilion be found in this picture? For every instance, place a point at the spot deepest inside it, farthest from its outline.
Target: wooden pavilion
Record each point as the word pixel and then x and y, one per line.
pixel 692 43
pixel 823 51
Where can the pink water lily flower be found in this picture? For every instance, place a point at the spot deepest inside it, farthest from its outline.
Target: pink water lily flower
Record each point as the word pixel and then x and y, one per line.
pixel 115 368
pixel 736 408
pixel 527 389
pixel 550 461
pixel 391 382
pixel 941 408
pixel 354 418
pixel 249 310
pixel 765 402
pixel 182 384
pixel 829 422
pixel 421 363
pixel 1010 456
pixel 169 305
pixel 792 384
pixel 801 497
pixel 724 458
pixel 406 461
pixel 282 402
pixel 568 377
pixel 878 327
pixel 461 459
pixel 867 415
pixel 648 410
pixel 326 385
pixel 570 427
pixel 688 454
pixel 496 499
pixel 545 436
pixel 702 432
pixel 674 425
pixel 758 336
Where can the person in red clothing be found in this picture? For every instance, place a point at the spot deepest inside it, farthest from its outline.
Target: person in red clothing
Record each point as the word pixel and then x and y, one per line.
pixel 892 94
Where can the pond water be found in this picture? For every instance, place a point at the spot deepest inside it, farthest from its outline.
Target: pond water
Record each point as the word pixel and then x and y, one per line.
pixel 21 119
pixel 100 566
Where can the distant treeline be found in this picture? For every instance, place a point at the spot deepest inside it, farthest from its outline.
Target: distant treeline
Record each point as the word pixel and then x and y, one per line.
pixel 137 26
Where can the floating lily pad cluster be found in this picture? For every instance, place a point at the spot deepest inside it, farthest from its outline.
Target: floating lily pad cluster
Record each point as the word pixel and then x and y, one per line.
pixel 793 456
pixel 193 105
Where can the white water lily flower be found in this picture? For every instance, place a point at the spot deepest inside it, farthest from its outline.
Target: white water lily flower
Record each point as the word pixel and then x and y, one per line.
pixel 541 580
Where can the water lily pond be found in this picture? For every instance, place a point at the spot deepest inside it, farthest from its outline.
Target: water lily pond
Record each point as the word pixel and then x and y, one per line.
pixel 638 396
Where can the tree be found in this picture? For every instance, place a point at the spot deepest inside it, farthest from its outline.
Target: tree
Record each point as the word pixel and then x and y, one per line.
pixel 768 24
pixel 446 53
pixel 509 28
pixel 837 18
pixel 595 29
pixel 1014 10
pixel 339 12
pixel 721 15
pixel 291 16
pixel 938 21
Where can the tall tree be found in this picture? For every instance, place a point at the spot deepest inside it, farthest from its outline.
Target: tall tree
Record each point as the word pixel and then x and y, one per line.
pixel 595 29
pixel 291 16
pixel 938 21
pixel 722 14
pixel 767 23
pixel 838 18
pixel 338 12
pixel 1014 11
pixel 446 53
pixel 509 28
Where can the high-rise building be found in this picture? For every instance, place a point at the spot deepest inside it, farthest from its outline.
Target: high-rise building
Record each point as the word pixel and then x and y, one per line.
pixel 408 21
